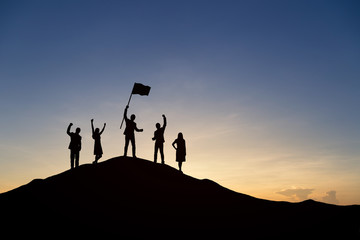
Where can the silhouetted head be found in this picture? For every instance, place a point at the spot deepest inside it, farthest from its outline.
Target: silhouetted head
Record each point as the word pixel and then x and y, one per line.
pixel 132 117
pixel 180 136
pixel 77 130
pixel 157 125
pixel 97 130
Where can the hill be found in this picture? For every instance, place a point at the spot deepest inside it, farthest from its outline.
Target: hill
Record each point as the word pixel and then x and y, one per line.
pixel 140 199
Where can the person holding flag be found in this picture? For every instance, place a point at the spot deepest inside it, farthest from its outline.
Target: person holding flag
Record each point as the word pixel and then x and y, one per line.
pixel 131 127
pixel 130 132
pixel 139 89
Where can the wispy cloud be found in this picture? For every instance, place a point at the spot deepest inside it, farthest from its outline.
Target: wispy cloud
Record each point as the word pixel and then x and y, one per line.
pixel 330 197
pixel 300 194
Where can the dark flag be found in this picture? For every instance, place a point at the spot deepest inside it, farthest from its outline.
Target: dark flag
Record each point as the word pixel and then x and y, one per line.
pixel 140 89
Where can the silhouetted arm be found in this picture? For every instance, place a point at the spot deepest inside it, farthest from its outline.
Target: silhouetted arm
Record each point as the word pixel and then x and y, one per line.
pixel 68 129
pixel 92 126
pixel 137 129
pixel 103 128
pixel 173 144
pixel 184 147
pixel 125 113
pixel 164 125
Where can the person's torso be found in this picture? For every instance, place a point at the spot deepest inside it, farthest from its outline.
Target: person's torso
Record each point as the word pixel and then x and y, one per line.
pixel 75 141
pixel 130 127
pixel 96 137
pixel 180 145
pixel 75 138
pixel 159 135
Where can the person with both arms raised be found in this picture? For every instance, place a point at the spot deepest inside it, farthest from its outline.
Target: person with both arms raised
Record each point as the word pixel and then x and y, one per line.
pixel 97 145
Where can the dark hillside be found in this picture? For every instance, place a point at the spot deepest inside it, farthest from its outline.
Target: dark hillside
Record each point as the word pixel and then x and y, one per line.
pixel 137 198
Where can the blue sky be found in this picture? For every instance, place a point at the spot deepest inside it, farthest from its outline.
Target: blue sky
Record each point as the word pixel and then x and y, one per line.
pixel 265 92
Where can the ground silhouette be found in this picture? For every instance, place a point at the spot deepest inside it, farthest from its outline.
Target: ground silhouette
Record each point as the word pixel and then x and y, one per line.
pixel 126 197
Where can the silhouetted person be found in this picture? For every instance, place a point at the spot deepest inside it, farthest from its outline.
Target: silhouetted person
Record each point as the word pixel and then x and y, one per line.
pixel 159 140
pixel 97 145
pixel 74 146
pixel 129 132
pixel 180 149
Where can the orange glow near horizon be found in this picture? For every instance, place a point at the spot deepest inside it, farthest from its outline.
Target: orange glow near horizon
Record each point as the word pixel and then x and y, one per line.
pixel 243 164
pixel 266 95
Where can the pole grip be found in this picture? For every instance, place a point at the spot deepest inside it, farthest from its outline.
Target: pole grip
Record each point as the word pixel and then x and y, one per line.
pixel 126 105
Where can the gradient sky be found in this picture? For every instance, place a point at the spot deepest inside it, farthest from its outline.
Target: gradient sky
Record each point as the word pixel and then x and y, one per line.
pixel 266 93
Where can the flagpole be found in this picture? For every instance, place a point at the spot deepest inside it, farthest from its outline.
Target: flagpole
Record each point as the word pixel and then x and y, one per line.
pixel 126 105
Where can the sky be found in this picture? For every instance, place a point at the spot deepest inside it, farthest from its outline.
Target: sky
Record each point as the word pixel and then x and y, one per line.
pixel 265 93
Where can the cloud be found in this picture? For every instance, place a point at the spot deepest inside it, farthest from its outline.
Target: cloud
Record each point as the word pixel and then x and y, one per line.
pixel 300 194
pixel 330 197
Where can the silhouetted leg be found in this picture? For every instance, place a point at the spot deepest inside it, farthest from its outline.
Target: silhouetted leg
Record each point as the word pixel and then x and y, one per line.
pixel 155 153
pixel 97 157
pixel 72 156
pixel 126 145
pixel 161 147
pixel 77 156
pixel 133 146
pixel 180 164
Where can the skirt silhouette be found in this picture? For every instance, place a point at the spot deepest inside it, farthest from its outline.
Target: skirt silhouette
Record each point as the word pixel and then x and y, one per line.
pixel 97 147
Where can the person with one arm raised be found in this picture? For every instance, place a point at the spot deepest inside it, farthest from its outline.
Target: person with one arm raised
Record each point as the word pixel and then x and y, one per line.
pixel 74 146
pixel 159 140
pixel 130 132
pixel 96 135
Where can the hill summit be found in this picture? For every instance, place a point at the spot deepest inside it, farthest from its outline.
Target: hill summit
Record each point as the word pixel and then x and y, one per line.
pixel 137 198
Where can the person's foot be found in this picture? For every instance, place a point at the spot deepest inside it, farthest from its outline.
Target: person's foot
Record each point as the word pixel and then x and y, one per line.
pixel 162 162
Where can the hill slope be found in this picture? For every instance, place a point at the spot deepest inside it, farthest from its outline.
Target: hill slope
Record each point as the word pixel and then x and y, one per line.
pixel 137 198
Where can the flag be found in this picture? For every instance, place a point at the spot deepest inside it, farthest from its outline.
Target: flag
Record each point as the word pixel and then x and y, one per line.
pixel 140 89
